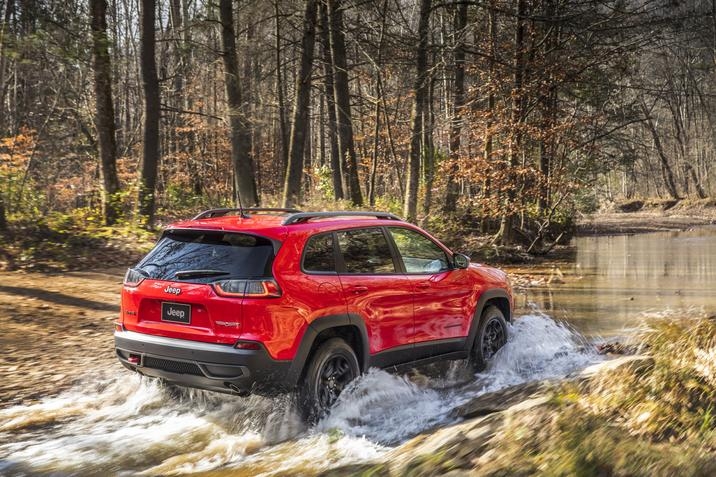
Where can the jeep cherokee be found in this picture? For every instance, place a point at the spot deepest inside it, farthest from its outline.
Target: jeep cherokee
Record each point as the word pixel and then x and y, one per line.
pixel 277 300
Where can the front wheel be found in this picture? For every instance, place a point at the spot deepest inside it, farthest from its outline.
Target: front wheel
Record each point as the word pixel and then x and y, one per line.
pixel 332 367
pixel 491 336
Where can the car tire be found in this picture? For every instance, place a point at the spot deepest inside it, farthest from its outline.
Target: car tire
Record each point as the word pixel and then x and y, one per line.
pixel 333 365
pixel 491 336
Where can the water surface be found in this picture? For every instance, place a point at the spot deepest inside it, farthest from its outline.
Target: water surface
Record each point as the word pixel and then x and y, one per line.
pixel 616 281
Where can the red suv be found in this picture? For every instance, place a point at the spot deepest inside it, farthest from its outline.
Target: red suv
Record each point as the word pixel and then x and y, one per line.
pixel 267 300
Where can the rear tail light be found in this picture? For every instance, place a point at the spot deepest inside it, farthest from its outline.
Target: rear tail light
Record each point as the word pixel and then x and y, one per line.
pixel 248 288
pixel 133 277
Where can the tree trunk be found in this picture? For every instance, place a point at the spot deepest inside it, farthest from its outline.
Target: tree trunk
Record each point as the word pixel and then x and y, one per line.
pixel 458 103
pixel 150 84
pixel 104 112
pixel 239 128
pixel 428 150
pixel 410 206
pixel 3 217
pixel 695 179
pixel 377 65
pixel 343 102
pixel 506 233
pixel 5 13
pixel 280 97
pixel 666 171
pixel 489 137
pixel 294 172
pixel 549 113
pixel 336 165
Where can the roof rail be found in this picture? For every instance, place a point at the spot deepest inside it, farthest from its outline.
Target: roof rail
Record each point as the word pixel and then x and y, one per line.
pixel 207 214
pixel 301 217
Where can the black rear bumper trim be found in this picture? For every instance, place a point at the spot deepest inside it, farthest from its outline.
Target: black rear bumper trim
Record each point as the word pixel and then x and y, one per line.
pixel 202 365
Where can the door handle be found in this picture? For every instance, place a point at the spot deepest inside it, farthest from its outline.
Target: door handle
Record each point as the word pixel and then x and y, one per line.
pixel 358 289
pixel 422 285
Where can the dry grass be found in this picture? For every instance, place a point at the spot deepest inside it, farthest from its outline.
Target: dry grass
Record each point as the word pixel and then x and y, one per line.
pixel 637 420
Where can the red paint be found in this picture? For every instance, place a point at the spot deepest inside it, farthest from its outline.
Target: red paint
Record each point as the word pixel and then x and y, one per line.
pixel 397 309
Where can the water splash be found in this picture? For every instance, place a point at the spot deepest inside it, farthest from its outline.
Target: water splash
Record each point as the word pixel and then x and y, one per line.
pixel 538 348
pixel 385 408
pixel 129 425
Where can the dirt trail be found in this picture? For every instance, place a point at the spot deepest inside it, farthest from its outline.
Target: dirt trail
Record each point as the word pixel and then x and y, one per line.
pixel 52 326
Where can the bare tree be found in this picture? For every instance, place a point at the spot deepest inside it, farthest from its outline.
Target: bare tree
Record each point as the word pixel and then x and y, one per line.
pixel 343 101
pixel 294 173
pixel 666 172
pixel 458 104
pixel 104 111
pixel 150 83
pixel 421 86
pixel 239 128
pixel 336 164
pixel 280 96
pixel 506 233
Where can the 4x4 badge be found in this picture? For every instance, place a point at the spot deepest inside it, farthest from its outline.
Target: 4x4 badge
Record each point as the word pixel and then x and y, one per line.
pixel 172 290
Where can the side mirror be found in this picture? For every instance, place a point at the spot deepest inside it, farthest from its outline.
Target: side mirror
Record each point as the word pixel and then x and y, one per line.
pixel 460 260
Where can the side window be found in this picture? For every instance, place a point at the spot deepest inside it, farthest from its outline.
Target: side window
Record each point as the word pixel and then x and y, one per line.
pixel 318 254
pixel 365 251
pixel 419 253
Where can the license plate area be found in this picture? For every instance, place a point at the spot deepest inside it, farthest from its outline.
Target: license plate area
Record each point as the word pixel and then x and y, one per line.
pixel 176 312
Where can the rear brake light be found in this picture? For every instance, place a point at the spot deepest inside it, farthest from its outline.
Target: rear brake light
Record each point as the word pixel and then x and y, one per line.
pixel 247 288
pixel 133 277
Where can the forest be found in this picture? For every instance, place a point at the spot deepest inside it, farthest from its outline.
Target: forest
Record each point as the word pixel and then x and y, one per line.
pixel 509 116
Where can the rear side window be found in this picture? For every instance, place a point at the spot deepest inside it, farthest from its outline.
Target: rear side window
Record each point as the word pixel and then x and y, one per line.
pixel 319 254
pixel 365 251
pixel 201 256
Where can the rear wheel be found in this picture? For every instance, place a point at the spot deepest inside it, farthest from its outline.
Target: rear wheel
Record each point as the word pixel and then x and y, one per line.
pixel 332 367
pixel 491 336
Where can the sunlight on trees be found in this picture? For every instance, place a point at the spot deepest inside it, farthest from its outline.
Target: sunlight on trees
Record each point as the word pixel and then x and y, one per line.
pixel 516 114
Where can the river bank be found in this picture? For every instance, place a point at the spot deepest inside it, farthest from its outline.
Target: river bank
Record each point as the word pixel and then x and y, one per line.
pixel 643 216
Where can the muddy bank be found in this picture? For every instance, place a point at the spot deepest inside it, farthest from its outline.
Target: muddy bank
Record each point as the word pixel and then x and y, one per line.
pixel 54 328
pixel 642 216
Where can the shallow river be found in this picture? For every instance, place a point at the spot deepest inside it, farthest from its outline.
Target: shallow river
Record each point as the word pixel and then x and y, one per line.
pixel 616 281
pixel 116 423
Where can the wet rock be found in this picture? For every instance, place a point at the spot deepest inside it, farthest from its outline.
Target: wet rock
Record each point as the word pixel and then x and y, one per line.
pixel 616 348
pixel 636 363
pixel 458 449
pixel 448 449
pixel 498 401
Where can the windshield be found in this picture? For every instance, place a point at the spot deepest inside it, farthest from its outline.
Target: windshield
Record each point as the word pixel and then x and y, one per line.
pixel 205 256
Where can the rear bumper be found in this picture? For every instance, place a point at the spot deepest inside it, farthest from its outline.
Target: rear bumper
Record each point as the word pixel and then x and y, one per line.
pixel 202 365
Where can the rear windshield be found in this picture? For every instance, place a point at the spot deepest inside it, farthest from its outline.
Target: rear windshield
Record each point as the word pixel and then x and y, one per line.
pixel 200 256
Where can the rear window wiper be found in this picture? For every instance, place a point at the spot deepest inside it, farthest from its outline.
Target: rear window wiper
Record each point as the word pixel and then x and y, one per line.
pixel 200 273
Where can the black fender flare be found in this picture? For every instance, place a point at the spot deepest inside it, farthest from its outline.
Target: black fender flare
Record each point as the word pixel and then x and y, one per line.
pixel 484 298
pixel 317 326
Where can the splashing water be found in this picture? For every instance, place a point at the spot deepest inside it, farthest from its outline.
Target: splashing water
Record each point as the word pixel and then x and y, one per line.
pixel 128 424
